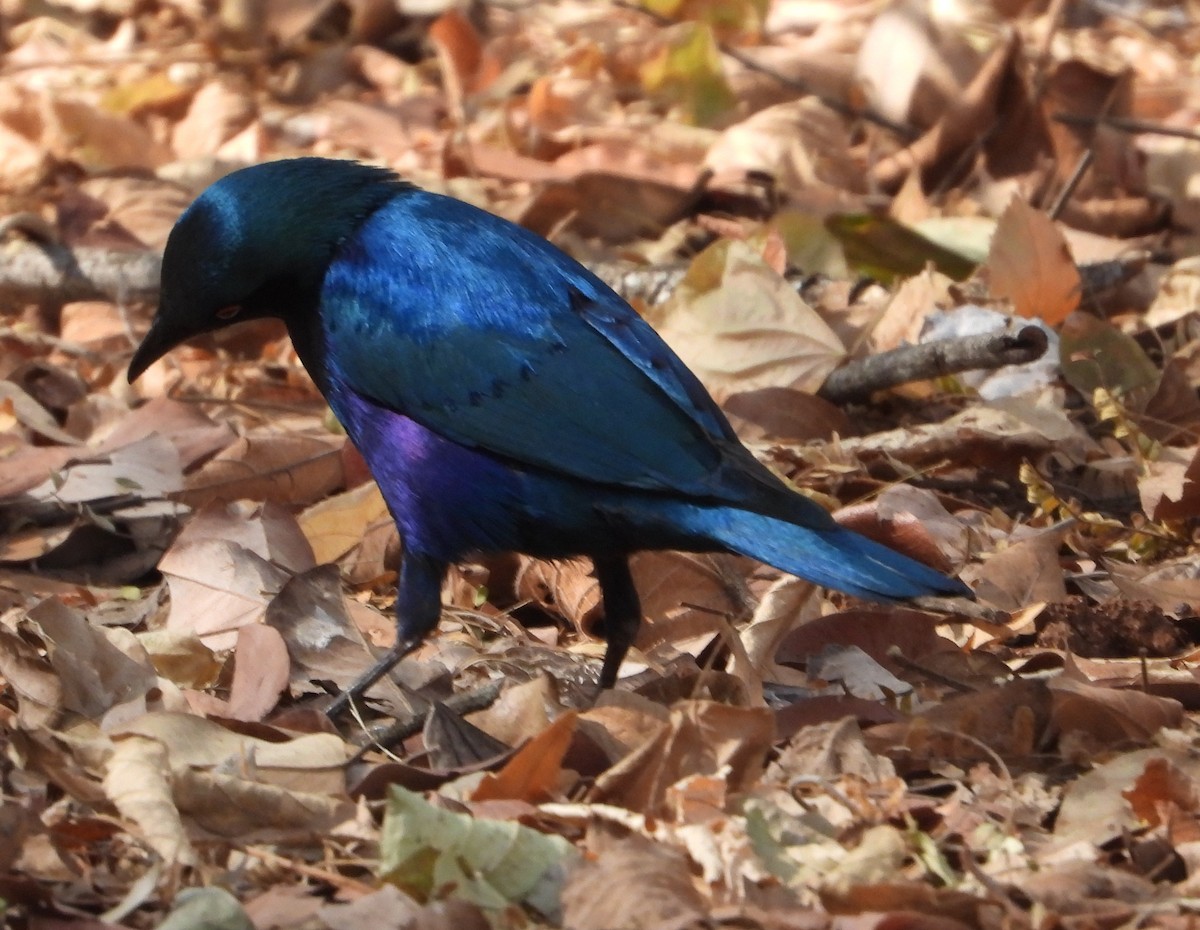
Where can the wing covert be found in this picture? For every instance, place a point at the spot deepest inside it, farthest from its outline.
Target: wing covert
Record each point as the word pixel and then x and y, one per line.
pixel 497 341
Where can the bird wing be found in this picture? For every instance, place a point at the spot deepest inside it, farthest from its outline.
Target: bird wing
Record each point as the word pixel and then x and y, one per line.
pixel 494 339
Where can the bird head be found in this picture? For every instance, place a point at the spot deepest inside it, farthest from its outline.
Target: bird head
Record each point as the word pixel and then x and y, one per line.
pixel 257 243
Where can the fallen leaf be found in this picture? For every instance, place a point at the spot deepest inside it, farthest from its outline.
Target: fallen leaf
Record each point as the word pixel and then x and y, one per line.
pixel 1030 264
pixel 739 326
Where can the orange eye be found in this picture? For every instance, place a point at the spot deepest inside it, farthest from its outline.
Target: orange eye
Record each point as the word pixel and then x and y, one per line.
pixel 228 313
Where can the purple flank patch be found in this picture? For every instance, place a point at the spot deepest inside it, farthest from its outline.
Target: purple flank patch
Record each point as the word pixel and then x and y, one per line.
pixel 447 499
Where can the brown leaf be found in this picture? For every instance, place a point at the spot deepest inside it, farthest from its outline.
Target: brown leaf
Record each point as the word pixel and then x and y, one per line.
pixel 74 130
pixel 194 435
pixel 1098 355
pixel 325 633
pixel 521 712
pixel 535 773
pixel 1094 808
pixel 336 525
pixel 95 673
pixel 25 162
pixel 1160 787
pixel 1109 717
pixel 1009 720
pixel 147 208
pixel 389 908
pixel 901 530
pixel 1026 572
pixel 785 415
pixel 702 737
pixel 797 144
pixel 656 884
pixel 95 324
pixel 643 193
pixel 225 566
pixel 138 781
pixel 291 468
pixel 37 687
pixel 1030 264
pixel 875 631
pixel 366 127
pixel 32 415
pixel 622 721
pixel 29 466
pixel 911 69
pixel 458 41
pixel 260 672
pixel 832 750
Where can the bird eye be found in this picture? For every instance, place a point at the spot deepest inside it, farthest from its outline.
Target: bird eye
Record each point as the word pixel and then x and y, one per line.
pixel 228 313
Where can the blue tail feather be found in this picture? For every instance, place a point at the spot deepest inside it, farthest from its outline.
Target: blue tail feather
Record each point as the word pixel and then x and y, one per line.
pixel 828 555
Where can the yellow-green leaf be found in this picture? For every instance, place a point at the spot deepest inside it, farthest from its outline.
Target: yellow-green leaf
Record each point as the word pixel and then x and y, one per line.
pixel 688 73
pixel 884 249
pixel 1095 354
pixel 433 853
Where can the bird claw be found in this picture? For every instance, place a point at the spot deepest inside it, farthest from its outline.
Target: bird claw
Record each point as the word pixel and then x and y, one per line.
pixel 384 664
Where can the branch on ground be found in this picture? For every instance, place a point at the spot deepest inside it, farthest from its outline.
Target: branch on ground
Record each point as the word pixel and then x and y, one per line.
pixel 859 379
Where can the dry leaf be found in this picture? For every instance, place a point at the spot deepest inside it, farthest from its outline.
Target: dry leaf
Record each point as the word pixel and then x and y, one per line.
pixel 1030 265
pixel 739 326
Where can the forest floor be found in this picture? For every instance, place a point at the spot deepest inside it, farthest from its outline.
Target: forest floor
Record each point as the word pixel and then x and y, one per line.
pixel 786 190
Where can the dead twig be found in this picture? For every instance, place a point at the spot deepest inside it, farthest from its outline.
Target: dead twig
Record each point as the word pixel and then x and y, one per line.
pixel 50 273
pixel 859 379
pixel 403 727
pixel 1127 125
pixel 1081 167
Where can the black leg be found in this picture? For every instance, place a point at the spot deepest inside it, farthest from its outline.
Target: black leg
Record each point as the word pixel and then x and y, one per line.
pixel 622 613
pixel 418 606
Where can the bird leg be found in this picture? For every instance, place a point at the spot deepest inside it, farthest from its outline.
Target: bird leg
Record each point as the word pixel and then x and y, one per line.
pixel 622 613
pixel 418 607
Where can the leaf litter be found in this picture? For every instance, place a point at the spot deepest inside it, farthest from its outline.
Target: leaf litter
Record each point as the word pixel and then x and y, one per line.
pixel 187 565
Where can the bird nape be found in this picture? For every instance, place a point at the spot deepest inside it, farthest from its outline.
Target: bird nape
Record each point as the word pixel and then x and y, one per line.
pixel 503 397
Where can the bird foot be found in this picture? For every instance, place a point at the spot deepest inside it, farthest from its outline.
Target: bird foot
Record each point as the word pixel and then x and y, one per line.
pixel 384 664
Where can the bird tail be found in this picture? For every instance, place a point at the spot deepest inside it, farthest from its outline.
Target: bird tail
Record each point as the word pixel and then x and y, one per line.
pixel 828 555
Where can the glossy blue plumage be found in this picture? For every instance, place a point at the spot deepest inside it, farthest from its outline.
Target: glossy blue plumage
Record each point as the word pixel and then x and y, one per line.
pixel 502 396
pixel 495 339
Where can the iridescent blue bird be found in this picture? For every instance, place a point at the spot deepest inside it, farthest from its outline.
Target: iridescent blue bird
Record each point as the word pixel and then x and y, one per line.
pixel 503 397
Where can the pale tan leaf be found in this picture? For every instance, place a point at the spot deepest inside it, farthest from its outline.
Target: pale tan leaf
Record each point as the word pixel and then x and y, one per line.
pixel 741 327
pixel 217 587
pixel 309 762
pixel 138 781
pixel 76 130
pixel 218 112
pixel 336 525
pixel 225 567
